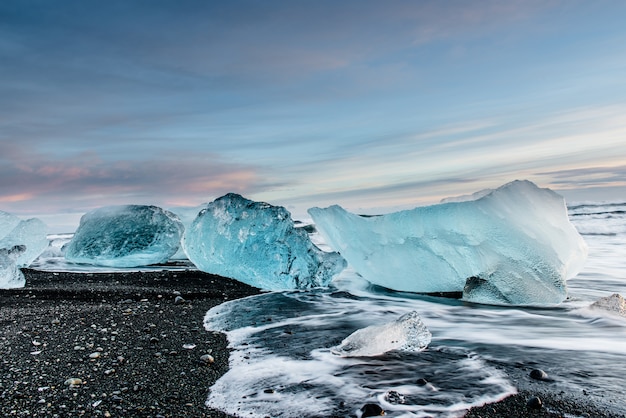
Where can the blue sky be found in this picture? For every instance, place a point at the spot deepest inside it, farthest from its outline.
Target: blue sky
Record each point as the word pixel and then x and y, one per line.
pixel 373 105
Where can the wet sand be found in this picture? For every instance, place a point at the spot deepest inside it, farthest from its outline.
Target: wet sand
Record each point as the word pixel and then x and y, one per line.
pixel 133 345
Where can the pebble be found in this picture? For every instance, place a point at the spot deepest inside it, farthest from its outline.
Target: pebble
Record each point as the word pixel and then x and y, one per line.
pixel 371 410
pixel 534 403
pixel 178 300
pixel 189 346
pixel 395 397
pixel 94 355
pixel 73 381
pixel 538 374
pixel 207 358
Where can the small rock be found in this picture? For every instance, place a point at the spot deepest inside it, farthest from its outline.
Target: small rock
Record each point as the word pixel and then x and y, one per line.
pixel 534 403
pixel 395 397
pixel 421 382
pixel 95 355
pixel 371 410
pixel 154 340
pixel 73 381
pixel 538 374
pixel 189 346
pixel 178 300
pixel 207 359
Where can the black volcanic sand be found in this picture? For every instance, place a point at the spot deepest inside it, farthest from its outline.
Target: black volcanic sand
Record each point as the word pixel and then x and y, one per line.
pixel 124 336
pixel 131 320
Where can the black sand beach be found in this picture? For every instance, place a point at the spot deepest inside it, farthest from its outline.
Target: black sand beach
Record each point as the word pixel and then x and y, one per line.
pixel 124 345
pixel 124 337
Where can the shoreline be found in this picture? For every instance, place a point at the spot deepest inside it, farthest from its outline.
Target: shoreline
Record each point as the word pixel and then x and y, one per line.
pixel 136 341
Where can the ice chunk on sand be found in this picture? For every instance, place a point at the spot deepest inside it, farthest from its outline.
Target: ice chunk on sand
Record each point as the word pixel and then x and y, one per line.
pixel 125 236
pixel 614 304
pixel 10 275
pixel 257 243
pixel 408 333
pixel 513 245
pixel 32 233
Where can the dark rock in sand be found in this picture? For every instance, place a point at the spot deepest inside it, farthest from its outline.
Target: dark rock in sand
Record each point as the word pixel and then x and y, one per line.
pixel 372 410
pixel 538 374
pixel 534 403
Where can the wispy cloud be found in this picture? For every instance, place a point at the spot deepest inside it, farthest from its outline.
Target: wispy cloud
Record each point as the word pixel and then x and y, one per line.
pixel 84 181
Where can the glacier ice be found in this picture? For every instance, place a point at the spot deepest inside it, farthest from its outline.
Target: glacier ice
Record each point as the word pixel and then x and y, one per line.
pixel 10 274
pixel 8 221
pixel 186 214
pixel 257 243
pixel 512 245
pixel 125 236
pixel 32 233
pixel 408 333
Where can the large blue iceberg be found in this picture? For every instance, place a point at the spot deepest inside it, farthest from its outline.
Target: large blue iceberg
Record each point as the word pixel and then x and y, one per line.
pixel 125 236
pixel 512 245
pixel 258 244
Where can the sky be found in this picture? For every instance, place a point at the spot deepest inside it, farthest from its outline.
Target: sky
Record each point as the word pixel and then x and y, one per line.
pixel 373 105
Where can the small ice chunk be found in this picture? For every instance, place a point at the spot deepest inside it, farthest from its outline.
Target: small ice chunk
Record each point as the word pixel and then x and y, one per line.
pixel 10 275
pixel 258 244
pixel 614 304
pixel 125 236
pixel 513 245
pixel 408 333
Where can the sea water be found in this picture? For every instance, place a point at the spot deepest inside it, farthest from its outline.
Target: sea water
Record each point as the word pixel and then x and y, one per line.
pixel 282 366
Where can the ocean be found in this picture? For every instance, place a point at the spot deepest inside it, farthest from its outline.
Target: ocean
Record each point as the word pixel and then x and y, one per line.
pixel 282 365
